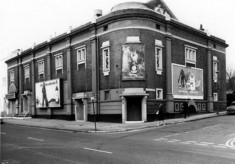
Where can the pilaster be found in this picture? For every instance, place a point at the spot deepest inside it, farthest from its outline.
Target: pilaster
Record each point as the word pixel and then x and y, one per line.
pixel 20 77
pixel 95 71
pixel 124 111
pixel 169 95
pixel 48 72
pixel 69 75
pixel 144 109
pixel 33 107
pixel 209 81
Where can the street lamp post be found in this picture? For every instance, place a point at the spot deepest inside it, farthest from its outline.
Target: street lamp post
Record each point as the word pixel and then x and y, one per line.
pixel 94 113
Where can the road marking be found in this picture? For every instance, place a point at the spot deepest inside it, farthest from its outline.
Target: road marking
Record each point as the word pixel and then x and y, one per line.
pixel 172 135
pixel 173 140
pixel 36 139
pixel 200 144
pixel 231 143
pixel 2 133
pixel 186 142
pixel 160 139
pixel 220 146
pixel 192 141
pixel 101 151
pixel 208 143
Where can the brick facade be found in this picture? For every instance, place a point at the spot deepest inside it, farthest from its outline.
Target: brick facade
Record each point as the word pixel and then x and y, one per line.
pixel 114 96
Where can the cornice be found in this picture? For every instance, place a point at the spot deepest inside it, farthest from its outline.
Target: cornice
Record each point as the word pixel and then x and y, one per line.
pixel 120 15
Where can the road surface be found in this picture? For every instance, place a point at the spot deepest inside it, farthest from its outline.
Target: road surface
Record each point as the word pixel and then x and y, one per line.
pixel 204 141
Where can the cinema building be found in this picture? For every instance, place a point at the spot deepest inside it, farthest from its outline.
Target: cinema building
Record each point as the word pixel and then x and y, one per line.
pixel 121 66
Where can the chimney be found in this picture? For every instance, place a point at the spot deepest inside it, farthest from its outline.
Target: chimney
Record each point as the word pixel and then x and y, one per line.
pixel 201 28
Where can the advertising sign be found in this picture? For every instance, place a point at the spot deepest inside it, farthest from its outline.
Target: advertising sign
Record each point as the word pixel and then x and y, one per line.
pixel 10 96
pixel 133 64
pixel 48 94
pixel 187 82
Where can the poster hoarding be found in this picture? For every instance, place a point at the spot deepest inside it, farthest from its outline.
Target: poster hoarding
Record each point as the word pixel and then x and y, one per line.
pixel 187 82
pixel 48 94
pixel 133 63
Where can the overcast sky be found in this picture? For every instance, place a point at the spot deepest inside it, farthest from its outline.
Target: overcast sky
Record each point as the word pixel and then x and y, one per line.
pixel 23 22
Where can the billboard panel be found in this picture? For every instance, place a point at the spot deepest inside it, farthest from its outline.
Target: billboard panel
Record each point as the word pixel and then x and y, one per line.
pixel 48 94
pixel 187 82
pixel 133 63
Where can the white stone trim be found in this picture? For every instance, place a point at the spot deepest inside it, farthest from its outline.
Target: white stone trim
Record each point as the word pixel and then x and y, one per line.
pixel 133 39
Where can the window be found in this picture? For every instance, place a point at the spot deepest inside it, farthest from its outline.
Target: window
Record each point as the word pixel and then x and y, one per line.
pixel 190 56
pixel 59 63
pixel 158 56
pixel 106 57
pixel 12 76
pixel 215 69
pixel 26 73
pixel 105 28
pixel 41 68
pixel 158 60
pixel 81 57
pixel 159 93
pixel 215 96
pixel 214 45
pixel 106 60
pixel 158 26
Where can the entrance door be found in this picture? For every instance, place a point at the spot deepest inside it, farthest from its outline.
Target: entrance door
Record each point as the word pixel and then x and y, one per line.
pixel 134 108
pixel 79 110
pixel 25 105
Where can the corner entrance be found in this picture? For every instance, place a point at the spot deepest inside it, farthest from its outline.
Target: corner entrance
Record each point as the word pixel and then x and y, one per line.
pixel 134 112
pixel 134 105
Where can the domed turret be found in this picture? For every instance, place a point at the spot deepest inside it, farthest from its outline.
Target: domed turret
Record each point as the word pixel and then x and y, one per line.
pixel 129 5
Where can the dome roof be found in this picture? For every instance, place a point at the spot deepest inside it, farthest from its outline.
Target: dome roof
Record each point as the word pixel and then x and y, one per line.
pixel 129 5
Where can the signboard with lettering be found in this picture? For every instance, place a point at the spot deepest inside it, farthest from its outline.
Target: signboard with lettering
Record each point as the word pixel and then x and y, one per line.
pixel 10 96
pixel 48 94
pixel 187 82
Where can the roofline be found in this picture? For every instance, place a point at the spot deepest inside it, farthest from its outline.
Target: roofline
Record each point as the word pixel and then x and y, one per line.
pixel 58 38
pixel 117 15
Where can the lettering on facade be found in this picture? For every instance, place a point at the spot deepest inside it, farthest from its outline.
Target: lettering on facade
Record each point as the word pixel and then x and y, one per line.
pixel 10 96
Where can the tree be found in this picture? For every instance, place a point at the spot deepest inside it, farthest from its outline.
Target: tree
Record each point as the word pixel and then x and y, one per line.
pixel 230 79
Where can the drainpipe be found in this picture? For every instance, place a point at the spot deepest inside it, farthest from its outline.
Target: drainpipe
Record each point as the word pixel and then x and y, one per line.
pixel 95 63
pixel 98 77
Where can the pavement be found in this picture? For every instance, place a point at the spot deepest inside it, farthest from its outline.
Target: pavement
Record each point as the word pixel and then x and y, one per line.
pixel 102 127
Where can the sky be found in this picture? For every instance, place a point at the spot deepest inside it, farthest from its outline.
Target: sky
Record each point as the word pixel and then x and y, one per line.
pixel 23 22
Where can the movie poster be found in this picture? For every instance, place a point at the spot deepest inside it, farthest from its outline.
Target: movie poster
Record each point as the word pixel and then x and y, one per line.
pixel 133 63
pixel 48 94
pixel 187 82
